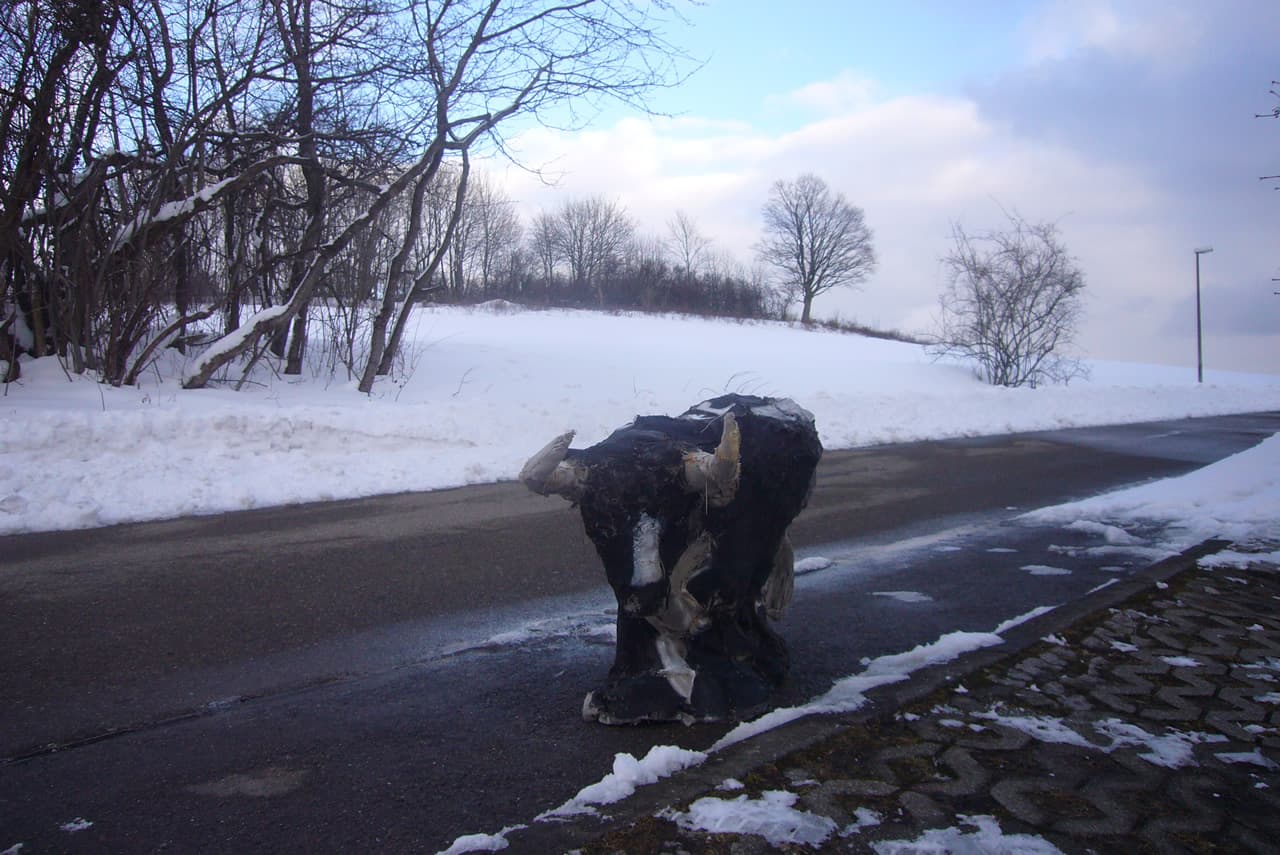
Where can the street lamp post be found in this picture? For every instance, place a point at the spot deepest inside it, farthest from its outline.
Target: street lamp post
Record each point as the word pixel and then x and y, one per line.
pixel 1199 347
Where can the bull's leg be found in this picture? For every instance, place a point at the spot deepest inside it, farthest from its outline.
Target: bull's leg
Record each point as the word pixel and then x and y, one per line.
pixel 649 681
pixel 781 585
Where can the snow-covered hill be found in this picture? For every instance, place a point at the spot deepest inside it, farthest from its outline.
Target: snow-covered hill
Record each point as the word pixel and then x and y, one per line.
pixel 482 388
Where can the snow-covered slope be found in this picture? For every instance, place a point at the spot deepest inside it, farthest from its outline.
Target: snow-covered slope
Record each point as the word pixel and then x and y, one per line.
pixel 482 388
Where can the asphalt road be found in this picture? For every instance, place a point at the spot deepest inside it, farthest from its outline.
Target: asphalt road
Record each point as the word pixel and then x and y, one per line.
pixel 390 673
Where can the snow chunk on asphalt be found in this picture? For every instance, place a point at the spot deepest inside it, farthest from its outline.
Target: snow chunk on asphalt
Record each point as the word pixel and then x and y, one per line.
pixel 481 842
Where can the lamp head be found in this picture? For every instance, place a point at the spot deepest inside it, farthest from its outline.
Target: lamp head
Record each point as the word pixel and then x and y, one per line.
pixel 1202 250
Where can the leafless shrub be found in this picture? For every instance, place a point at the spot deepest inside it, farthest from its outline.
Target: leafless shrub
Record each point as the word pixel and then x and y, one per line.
pixel 1011 304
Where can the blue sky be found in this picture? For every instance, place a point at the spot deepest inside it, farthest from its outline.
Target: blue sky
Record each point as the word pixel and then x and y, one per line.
pixel 1130 124
pixel 759 48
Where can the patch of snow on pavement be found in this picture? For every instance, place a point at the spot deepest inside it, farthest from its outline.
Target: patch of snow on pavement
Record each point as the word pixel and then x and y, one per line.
pixel 1241 560
pixel 1249 758
pixel 481 842
pixel 862 818
pixel 987 838
pixel 628 773
pixel 1019 620
pixel 1042 728
pixel 1173 750
pixel 773 816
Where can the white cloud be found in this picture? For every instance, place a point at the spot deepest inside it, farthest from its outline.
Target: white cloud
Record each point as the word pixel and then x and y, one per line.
pixel 846 91
pixel 1160 32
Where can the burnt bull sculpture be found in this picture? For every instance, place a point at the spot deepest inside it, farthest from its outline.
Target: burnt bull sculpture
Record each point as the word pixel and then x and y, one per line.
pixel 690 516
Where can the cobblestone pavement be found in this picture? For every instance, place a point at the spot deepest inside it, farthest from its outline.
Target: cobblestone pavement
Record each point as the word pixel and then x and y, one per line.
pixel 1150 726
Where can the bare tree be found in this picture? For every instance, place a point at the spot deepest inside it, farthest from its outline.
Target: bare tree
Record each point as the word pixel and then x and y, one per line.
pixel 591 235
pixel 1011 304
pixel 815 238
pixel 686 244
pixel 544 246
pixel 497 232
pixel 475 64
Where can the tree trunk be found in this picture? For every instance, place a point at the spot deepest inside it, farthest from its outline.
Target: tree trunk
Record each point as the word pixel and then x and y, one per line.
pixel 297 341
pixel 397 331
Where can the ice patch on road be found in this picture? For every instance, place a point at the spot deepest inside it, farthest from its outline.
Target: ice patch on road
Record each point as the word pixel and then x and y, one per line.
pixel 813 563
pixel 1045 570
pixel 904 596
pixel 590 627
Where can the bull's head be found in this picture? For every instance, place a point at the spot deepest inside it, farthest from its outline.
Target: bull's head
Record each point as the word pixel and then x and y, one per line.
pixel 713 475
pixel 642 496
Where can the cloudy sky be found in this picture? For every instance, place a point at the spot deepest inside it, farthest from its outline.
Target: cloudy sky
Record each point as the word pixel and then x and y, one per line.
pixel 1132 125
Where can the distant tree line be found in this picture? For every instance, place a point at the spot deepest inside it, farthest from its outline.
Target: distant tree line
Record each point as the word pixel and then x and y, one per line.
pixel 589 253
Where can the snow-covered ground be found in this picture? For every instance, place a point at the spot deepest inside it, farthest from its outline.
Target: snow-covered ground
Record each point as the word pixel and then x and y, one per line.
pixel 480 389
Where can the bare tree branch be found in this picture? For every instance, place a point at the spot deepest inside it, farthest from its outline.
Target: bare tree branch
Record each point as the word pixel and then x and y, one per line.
pixel 1011 304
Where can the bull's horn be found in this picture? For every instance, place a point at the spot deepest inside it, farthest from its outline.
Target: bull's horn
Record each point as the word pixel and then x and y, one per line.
pixel 547 472
pixel 716 474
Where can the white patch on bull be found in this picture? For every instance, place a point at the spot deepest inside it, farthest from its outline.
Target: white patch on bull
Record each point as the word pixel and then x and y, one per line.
pixel 784 410
pixel 674 668
pixel 705 412
pixel 646 564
